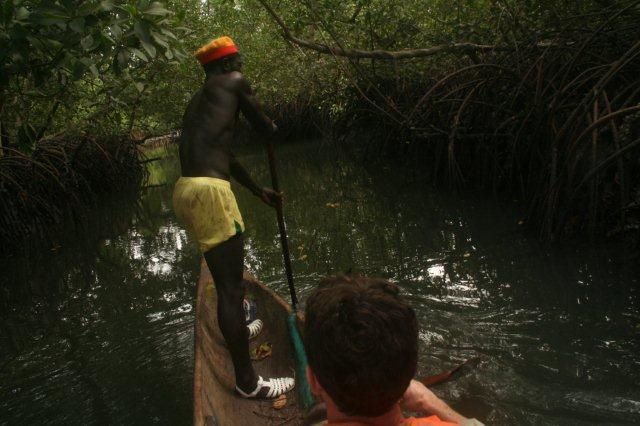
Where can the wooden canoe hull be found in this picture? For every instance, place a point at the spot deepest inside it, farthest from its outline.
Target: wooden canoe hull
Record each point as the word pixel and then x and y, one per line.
pixel 214 401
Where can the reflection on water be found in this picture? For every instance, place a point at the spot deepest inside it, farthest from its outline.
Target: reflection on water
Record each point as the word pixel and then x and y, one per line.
pixel 555 329
pixel 99 330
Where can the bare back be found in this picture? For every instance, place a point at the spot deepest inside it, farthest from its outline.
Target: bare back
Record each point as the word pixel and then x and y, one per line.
pixel 209 122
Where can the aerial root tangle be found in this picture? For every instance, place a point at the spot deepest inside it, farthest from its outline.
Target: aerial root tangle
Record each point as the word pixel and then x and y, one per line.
pixel 61 177
pixel 557 126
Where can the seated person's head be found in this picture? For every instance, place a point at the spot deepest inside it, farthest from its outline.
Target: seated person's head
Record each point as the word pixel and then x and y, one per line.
pixel 361 339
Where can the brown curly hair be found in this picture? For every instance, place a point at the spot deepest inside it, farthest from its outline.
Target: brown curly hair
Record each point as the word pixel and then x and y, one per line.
pixel 362 343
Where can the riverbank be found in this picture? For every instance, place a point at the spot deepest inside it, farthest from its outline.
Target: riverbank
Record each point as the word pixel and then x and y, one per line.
pixel 551 117
pixel 57 185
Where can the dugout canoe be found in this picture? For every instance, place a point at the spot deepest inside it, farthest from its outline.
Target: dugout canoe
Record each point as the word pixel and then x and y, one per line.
pixel 214 401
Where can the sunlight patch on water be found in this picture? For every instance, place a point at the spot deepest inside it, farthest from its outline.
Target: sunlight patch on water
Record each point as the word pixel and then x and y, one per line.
pixel 471 302
pixel 430 336
pixel 163 260
pixel 596 402
pixel 170 313
pixel 436 271
pixel 251 258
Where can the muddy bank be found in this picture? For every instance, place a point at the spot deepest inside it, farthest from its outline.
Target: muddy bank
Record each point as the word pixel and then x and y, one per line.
pixel 59 182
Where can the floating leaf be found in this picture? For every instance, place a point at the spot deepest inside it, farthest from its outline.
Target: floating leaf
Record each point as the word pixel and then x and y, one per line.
pixel 280 402
pixel 466 255
pixel 261 352
pixel 333 205
pixel 210 290
pixel 303 257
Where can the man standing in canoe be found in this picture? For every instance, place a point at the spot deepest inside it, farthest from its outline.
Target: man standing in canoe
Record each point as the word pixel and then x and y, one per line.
pixel 203 199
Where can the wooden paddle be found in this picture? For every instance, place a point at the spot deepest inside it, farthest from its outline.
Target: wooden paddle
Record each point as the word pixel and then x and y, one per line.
pixel 304 391
pixel 446 375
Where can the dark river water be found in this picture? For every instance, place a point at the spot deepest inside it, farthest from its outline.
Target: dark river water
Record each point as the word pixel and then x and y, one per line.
pixel 97 329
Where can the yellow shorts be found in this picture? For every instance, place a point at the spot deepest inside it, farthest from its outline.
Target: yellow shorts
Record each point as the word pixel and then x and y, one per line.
pixel 208 208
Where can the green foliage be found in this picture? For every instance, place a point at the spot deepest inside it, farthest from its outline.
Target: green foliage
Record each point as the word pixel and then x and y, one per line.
pixel 113 67
pixel 61 60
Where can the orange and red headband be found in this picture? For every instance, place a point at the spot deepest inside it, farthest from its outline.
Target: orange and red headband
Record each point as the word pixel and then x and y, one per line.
pixel 216 49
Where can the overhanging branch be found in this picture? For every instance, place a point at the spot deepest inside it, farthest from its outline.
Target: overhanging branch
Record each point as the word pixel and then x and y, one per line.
pixel 376 54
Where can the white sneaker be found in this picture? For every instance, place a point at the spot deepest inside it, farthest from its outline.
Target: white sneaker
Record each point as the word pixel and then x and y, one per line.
pixel 271 388
pixel 254 328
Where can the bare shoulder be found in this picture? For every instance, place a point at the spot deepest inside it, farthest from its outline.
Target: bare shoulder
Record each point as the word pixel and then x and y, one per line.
pixel 239 83
pixel 233 82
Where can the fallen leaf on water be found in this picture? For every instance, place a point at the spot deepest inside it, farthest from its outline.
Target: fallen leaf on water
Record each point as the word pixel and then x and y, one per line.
pixel 521 222
pixel 333 205
pixel 280 402
pixel 467 255
pixel 261 352
pixel 209 290
pixel 303 257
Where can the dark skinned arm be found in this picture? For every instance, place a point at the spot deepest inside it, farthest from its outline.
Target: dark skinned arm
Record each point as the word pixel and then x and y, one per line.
pixel 252 109
pixel 240 174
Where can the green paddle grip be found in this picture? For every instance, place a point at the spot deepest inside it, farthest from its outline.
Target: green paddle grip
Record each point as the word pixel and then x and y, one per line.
pixel 304 391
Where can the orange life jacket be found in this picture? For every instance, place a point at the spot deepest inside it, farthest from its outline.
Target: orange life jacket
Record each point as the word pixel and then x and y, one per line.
pixel 426 421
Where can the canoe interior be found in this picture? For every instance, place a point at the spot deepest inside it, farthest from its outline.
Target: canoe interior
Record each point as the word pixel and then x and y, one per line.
pixel 214 400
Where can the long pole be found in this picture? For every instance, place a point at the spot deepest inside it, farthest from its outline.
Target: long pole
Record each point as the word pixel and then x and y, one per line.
pixel 284 241
pixel 305 398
